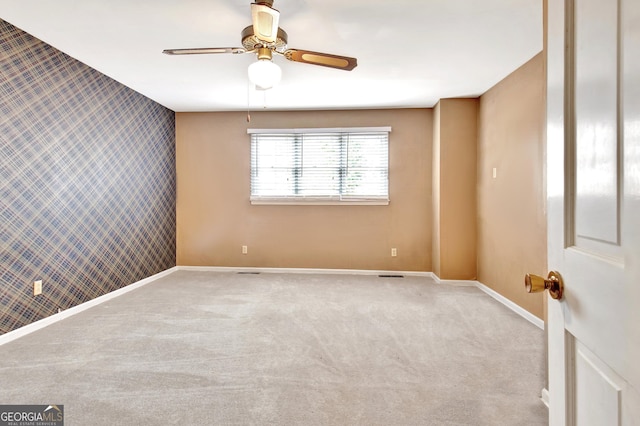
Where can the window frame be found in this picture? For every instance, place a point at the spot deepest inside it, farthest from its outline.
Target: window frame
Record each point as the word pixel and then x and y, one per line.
pixel 321 200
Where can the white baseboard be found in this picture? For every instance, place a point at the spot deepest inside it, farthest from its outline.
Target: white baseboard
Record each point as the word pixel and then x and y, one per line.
pixel 544 397
pixel 460 283
pixel 509 304
pixel 30 328
pixel 303 271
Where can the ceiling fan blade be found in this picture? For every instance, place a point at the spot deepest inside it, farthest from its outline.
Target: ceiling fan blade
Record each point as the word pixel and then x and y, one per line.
pixel 204 50
pixel 324 59
pixel 265 21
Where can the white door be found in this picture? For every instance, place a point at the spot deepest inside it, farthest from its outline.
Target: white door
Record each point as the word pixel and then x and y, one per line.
pixel 593 174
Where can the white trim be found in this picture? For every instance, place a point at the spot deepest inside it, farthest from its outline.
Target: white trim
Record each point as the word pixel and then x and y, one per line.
pixel 544 397
pixel 320 130
pixel 303 271
pixel 460 283
pixel 509 304
pixel 309 201
pixel 34 326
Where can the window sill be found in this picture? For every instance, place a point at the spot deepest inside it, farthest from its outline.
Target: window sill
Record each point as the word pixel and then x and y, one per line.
pixel 262 201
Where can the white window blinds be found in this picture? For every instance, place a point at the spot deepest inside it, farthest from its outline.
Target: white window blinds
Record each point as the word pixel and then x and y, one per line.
pixel 316 165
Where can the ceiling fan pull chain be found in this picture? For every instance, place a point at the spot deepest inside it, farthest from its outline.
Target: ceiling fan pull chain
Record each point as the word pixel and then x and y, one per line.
pixel 248 102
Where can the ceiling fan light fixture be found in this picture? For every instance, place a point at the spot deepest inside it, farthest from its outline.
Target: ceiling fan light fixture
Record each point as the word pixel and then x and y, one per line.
pixel 264 73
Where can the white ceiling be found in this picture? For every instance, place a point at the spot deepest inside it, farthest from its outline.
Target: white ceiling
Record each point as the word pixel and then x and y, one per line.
pixel 410 52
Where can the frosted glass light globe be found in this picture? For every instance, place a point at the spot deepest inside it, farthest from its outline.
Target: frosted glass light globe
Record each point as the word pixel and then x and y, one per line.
pixel 264 74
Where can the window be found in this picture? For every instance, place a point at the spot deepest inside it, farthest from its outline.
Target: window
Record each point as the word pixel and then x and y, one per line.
pixel 320 166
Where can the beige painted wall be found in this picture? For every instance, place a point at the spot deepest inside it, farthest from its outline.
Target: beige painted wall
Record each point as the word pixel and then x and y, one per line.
pixel 511 208
pixel 454 158
pixel 215 217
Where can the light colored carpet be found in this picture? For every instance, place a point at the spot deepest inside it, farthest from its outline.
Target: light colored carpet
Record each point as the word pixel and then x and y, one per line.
pixel 211 348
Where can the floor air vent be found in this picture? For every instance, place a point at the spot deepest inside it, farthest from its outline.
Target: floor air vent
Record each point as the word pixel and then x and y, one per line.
pixel 390 276
pixel 247 273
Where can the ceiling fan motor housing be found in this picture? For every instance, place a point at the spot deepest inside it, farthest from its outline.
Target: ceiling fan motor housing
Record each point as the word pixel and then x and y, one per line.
pixel 251 42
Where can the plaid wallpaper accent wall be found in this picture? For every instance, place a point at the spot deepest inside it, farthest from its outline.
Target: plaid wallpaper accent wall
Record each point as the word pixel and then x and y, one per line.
pixel 87 182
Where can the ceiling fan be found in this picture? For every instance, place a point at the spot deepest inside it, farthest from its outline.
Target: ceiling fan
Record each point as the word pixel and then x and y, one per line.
pixel 265 38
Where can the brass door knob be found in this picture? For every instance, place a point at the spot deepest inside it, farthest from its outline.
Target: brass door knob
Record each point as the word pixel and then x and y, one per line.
pixel 553 283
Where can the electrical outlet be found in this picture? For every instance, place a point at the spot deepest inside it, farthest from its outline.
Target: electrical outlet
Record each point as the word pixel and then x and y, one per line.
pixel 245 249
pixel 394 252
pixel 37 287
